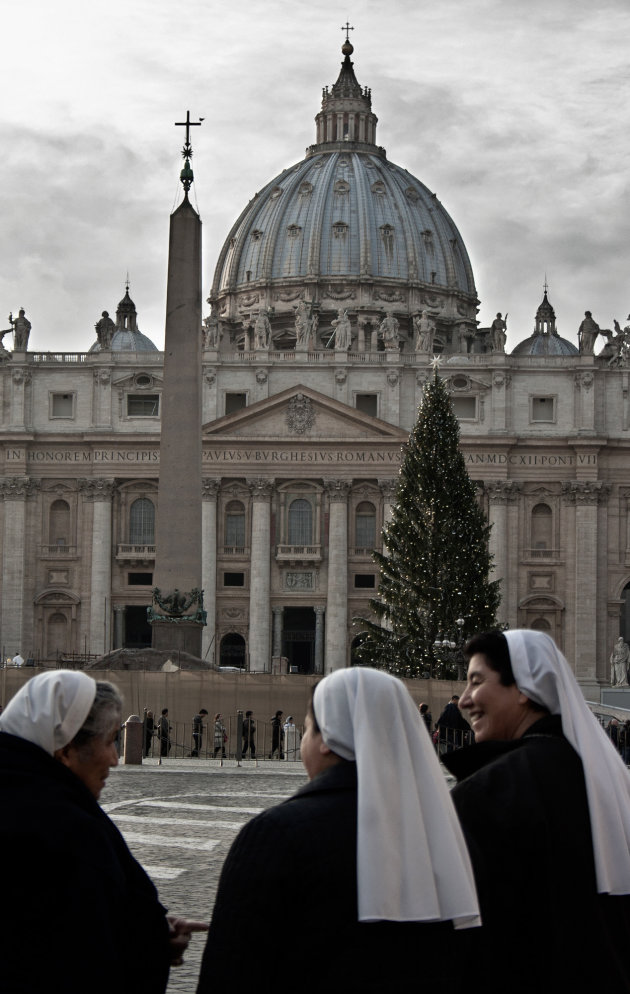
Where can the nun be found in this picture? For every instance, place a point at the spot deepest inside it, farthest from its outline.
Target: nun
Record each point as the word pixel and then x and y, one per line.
pixel 78 912
pixel 544 800
pixel 370 850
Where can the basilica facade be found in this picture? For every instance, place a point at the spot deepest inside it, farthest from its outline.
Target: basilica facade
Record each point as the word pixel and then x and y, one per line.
pixel 335 288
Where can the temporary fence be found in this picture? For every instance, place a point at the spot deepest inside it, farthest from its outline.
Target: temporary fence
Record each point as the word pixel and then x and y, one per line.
pixel 224 738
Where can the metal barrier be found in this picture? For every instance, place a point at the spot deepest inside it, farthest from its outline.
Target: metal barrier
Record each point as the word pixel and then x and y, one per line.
pixel 220 740
pixel 450 739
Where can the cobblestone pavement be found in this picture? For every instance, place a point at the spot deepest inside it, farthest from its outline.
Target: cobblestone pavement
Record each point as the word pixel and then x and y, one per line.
pixel 179 820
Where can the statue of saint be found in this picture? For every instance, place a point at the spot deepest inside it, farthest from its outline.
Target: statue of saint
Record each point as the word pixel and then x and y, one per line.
pixel 424 328
pixel 619 660
pixel 498 336
pixel 211 329
pixel 21 331
pixel 105 329
pixel 305 325
pixel 343 331
pixel 262 331
pixel 388 331
pixel 587 334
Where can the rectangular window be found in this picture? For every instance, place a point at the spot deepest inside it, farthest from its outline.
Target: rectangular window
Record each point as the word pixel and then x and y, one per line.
pixel 140 579
pixel 143 405
pixel 62 405
pixel 235 402
pixel 367 403
pixel 233 579
pixel 465 408
pixel 543 408
pixel 364 581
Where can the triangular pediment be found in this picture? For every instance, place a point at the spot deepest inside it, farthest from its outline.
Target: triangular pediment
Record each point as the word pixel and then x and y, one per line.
pixel 302 414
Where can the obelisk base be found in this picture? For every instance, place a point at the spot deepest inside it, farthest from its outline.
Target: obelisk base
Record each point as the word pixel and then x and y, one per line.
pixel 184 636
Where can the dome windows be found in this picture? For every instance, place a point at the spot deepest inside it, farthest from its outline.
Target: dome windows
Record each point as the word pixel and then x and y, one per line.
pixel 340 229
pixel 342 187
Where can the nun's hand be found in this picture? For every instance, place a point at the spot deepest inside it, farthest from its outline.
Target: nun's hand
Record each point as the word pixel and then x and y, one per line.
pixel 180 931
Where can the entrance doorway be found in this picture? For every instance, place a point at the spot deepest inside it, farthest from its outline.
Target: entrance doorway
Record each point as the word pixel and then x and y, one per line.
pixel 137 628
pixel 232 651
pixel 298 638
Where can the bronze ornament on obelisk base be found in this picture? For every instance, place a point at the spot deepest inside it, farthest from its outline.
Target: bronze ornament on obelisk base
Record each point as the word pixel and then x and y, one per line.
pixel 176 613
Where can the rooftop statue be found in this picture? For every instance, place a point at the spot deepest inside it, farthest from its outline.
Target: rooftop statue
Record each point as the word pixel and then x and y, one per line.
pixel 305 327
pixel 343 331
pixel 498 333
pixel 262 331
pixel 617 347
pixel 388 331
pixel 587 334
pixel 105 329
pixel 424 327
pixel 211 329
pixel 21 331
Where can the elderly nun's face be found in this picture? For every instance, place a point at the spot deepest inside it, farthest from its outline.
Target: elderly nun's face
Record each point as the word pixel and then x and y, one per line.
pixel 91 762
pixel 314 752
pixel 494 710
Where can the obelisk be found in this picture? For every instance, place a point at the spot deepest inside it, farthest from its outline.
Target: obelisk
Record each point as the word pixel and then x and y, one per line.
pixel 176 613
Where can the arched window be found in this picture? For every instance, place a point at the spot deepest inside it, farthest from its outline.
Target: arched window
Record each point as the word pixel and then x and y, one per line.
pixel 365 526
pixel 59 523
pixel 542 529
pixel 235 525
pixel 232 651
pixel 300 522
pixel 142 522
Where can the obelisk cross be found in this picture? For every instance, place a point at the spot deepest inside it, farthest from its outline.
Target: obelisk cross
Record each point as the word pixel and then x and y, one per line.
pixel 186 176
pixel 188 124
pixel 346 27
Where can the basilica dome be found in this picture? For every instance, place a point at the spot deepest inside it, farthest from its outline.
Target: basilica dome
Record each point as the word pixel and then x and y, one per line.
pixel 345 227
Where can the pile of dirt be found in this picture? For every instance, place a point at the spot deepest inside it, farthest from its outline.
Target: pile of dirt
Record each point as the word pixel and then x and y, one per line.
pixel 155 660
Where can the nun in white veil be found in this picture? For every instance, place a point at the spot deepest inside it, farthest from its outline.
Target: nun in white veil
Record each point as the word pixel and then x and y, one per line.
pixel 370 849
pixel 78 912
pixel 544 799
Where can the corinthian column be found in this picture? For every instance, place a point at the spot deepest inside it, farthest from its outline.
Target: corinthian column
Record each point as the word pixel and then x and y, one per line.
pixel 259 577
pixel 15 490
pixel 99 493
pixel 502 493
pixel 337 606
pixel 209 491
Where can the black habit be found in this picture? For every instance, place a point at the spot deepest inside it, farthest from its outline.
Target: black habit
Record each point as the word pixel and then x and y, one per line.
pixel 524 811
pixel 79 914
pixel 286 907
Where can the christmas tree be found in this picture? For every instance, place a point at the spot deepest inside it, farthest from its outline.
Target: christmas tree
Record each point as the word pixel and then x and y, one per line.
pixel 434 585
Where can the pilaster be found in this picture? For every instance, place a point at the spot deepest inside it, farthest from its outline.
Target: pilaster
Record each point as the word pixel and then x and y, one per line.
pixel 337 605
pixel 15 490
pixel 209 492
pixel 260 576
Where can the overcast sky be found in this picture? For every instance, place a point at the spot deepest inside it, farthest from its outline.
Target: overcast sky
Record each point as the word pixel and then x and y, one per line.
pixel 515 112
